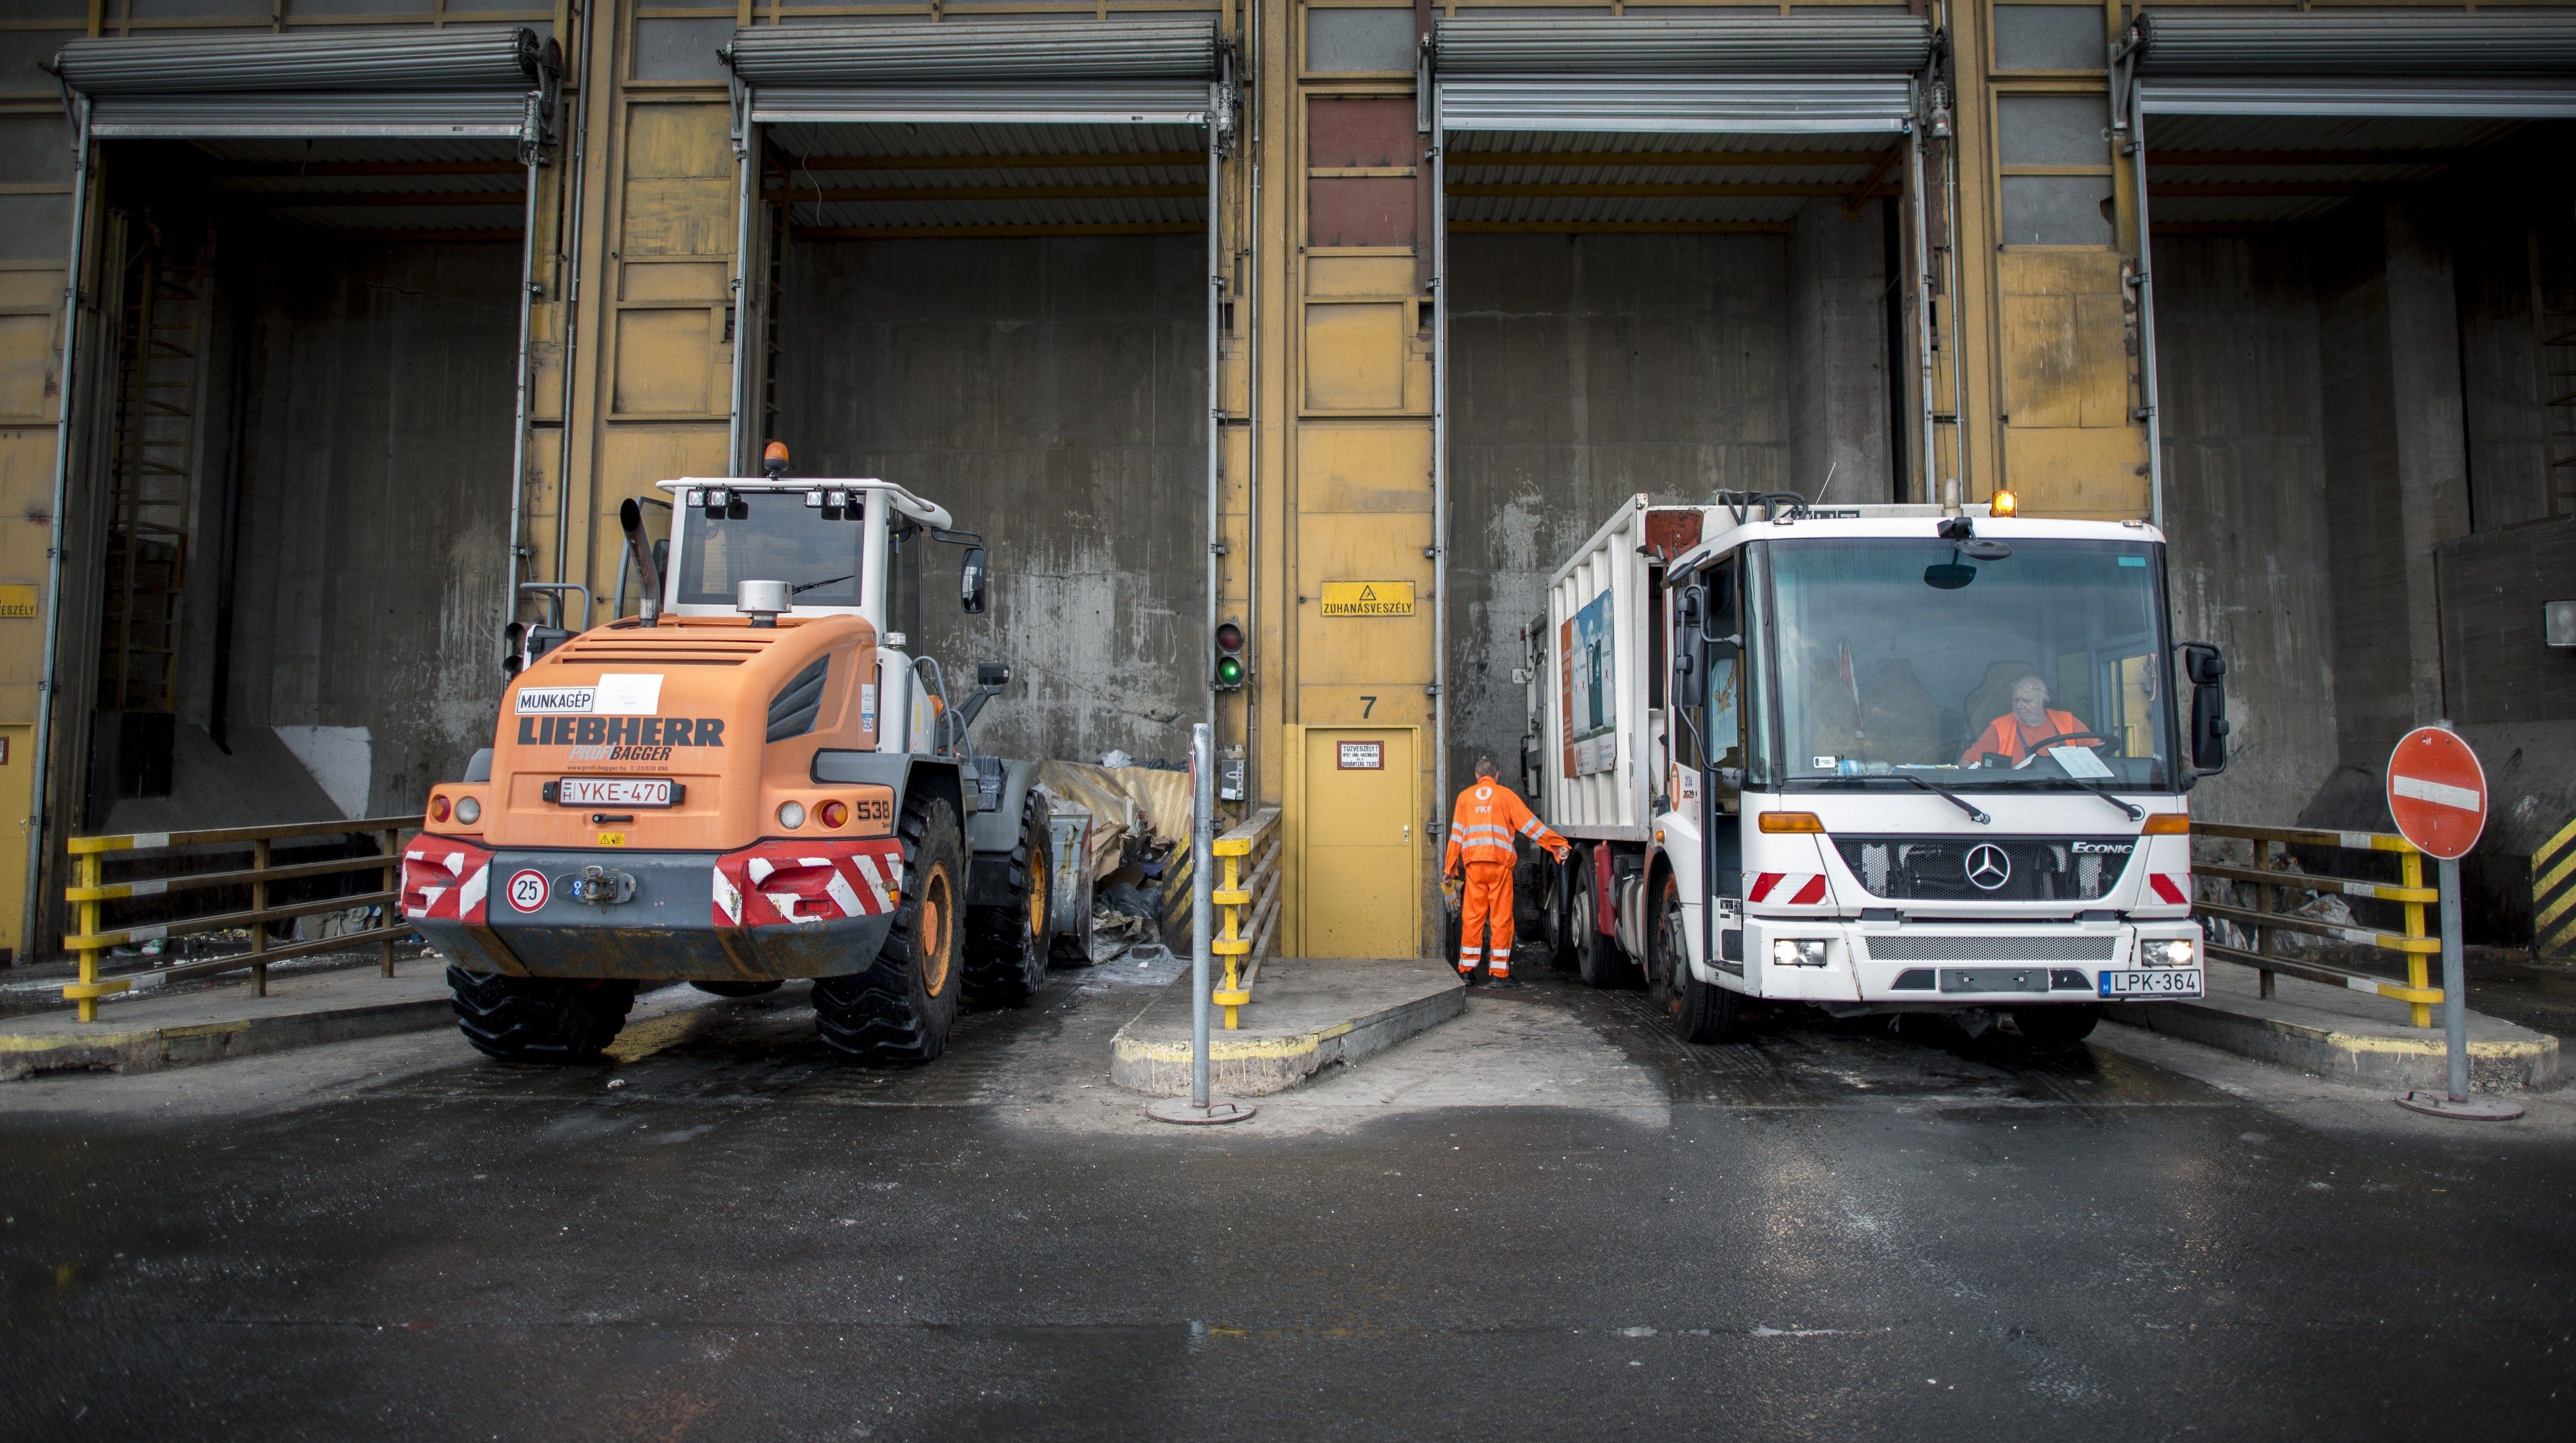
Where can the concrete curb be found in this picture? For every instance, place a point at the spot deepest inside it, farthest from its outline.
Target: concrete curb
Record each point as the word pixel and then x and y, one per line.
pixel 1257 1065
pixel 2517 1061
pixel 108 1047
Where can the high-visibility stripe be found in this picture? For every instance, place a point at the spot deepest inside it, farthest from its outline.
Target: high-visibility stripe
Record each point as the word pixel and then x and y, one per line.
pixel 1810 894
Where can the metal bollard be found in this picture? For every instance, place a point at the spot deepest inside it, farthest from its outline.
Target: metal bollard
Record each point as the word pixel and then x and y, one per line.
pixel 1199 1107
pixel 1202 882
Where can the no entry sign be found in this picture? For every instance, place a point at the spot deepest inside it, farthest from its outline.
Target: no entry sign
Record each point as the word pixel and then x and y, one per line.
pixel 2437 792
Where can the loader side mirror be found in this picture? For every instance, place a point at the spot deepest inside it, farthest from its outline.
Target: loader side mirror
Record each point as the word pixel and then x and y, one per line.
pixel 972 581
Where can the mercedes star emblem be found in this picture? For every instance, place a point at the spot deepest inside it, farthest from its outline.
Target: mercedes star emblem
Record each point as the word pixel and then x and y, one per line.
pixel 1989 866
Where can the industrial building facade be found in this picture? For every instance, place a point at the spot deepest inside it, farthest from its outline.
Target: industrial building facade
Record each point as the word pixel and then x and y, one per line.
pixel 1339 321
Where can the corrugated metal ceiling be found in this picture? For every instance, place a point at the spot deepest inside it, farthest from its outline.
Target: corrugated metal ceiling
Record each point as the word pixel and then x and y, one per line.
pixel 1843 164
pixel 2295 154
pixel 811 161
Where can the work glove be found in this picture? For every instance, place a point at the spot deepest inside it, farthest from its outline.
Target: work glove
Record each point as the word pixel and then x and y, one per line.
pixel 1452 888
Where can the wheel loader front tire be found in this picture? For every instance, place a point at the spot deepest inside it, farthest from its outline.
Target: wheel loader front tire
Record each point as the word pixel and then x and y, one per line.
pixel 538 1019
pixel 900 1008
pixel 1006 945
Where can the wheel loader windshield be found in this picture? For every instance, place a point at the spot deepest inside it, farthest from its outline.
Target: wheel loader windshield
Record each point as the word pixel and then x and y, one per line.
pixel 2044 667
pixel 769 536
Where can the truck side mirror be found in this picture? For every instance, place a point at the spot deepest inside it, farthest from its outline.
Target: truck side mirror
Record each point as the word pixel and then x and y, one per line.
pixel 2206 668
pixel 971 581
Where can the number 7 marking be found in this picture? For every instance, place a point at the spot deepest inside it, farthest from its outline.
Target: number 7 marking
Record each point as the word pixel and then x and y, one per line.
pixel 1370 706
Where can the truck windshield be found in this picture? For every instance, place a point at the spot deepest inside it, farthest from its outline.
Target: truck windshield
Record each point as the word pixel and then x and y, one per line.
pixel 778 538
pixel 1894 656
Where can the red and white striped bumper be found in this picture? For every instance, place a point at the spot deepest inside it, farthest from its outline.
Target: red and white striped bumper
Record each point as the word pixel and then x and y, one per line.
pixel 791 883
pixel 445 881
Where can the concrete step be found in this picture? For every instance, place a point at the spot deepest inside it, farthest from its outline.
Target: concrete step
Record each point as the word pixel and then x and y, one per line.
pixel 1307 1013
pixel 212 1023
pixel 2338 1033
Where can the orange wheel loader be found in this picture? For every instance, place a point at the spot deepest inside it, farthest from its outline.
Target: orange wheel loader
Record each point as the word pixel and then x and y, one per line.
pixel 747 783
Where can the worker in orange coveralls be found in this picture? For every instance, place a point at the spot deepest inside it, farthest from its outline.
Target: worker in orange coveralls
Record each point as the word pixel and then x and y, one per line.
pixel 1481 833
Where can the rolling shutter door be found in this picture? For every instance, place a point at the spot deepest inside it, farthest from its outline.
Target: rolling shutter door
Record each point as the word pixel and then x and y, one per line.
pixel 1156 72
pixel 1696 76
pixel 458 84
pixel 2220 62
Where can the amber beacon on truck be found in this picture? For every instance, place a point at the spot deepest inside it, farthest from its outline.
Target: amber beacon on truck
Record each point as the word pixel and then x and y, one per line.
pixel 751 781
pixel 1874 759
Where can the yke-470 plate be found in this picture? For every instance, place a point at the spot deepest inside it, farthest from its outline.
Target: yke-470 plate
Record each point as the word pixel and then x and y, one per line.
pixel 2153 982
pixel 613 792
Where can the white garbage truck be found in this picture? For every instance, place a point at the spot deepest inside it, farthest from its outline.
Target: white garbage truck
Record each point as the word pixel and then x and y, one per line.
pixel 1875 759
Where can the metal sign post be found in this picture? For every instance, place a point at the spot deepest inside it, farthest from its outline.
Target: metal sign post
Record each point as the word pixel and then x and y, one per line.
pixel 1199 1107
pixel 2437 794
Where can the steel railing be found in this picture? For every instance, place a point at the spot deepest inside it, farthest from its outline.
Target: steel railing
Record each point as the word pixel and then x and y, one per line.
pixel 90 892
pixel 2270 914
pixel 1247 887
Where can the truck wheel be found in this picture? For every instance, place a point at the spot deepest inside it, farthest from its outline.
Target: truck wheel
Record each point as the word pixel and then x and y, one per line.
pixel 900 1008
pixel 738 989
pixel 1701 1011
pixel 2063 1025
pixel 1006 946
pixel 1598 957
pixel 538 1019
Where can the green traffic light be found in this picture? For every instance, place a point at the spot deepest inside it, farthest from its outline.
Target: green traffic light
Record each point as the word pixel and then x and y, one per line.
pixel 1229 671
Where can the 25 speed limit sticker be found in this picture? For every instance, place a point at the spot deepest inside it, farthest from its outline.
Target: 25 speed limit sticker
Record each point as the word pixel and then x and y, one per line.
pixel 527 890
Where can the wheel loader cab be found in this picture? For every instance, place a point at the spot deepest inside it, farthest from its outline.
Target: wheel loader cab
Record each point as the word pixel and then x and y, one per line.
pixel 742 786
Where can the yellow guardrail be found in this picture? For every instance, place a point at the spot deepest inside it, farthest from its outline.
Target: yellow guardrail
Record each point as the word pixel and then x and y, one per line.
pixel 1247 888
pixel 2269 915
pixel 91 891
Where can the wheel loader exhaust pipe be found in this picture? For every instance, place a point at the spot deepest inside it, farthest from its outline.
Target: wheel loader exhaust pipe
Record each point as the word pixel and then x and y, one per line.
pixel 630 517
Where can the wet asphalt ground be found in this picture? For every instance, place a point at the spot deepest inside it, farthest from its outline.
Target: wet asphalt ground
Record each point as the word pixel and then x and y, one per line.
pixel 1545 1219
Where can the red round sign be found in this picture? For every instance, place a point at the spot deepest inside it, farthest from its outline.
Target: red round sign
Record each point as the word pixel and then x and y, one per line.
pixel 2437 792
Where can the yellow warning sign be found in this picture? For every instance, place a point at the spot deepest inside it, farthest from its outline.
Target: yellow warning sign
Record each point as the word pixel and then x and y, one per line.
pixel 1368 598
pixel 18 601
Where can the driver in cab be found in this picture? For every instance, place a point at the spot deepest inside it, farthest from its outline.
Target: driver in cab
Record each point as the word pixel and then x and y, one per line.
pixel 2029 728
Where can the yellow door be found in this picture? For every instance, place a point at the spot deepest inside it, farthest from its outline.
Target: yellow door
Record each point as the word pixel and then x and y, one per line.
pixel 1358 892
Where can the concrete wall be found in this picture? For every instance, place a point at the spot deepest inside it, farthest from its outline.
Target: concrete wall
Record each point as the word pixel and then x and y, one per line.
pixel 1587 369
pixel 375 500
pixel 1839 441
pixel 2248 512
pixel 1052 395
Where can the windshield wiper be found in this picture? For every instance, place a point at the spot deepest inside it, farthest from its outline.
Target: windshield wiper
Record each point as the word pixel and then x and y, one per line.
pixel 2134 813
pixel 2128 810
pixel 1947 795
pixel 808 586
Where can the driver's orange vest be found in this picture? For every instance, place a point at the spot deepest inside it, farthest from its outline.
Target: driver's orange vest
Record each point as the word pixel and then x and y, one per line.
pixel 2006 737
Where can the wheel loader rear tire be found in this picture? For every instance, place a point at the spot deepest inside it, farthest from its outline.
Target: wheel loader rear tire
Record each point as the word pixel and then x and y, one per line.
pixel 538 1019
pixel 1006 946
pixel 899 1009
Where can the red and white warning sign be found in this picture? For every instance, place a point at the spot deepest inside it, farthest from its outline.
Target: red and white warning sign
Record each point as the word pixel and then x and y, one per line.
pixel 2437 792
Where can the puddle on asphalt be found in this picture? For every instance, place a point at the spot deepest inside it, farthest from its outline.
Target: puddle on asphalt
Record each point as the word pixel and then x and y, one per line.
pixel 1795 1056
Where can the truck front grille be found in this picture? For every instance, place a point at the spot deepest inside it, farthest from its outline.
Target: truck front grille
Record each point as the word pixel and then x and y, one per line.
pixel 1919 947
pixel 1964 869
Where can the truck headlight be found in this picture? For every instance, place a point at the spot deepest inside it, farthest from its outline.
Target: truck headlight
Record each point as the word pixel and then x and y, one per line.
pixel 791 815
pixel 1798 952
pixel 2176 953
